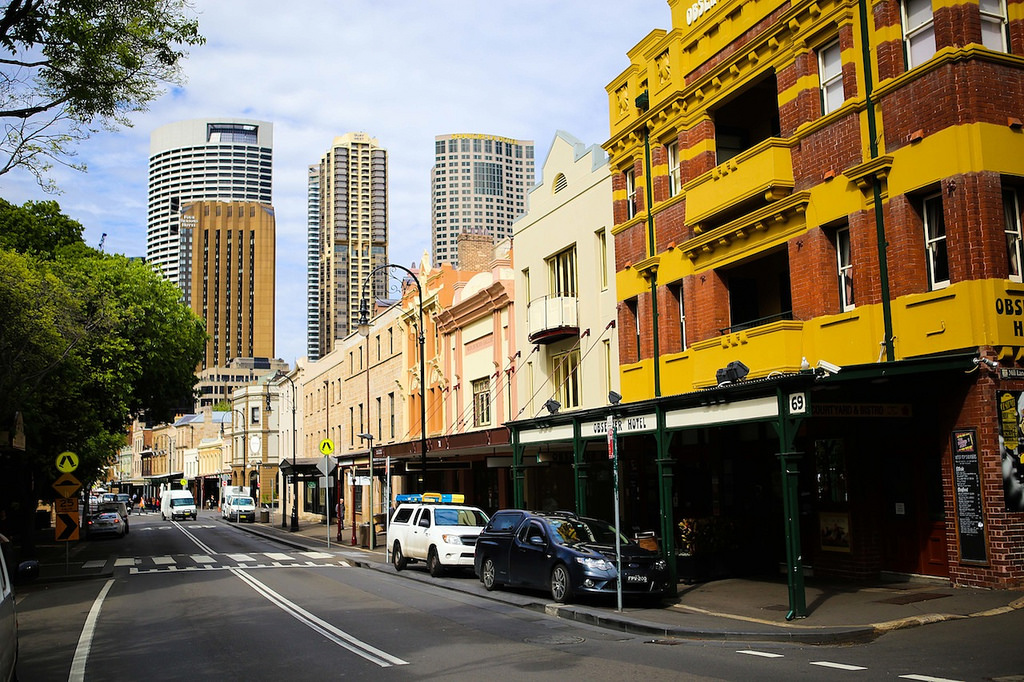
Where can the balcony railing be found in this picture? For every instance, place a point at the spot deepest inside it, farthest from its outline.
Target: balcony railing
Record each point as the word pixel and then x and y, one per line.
pixel 750 324
pixel 552 318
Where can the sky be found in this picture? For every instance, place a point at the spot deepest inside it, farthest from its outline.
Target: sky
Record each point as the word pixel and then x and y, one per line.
pixel 402 71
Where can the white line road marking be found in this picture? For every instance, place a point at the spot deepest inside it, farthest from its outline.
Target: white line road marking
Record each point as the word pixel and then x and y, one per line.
pixel 764 654
pixel 85 639
pixel 202 559
pixel 837 666
pixel 163 560
pixel 342 639
pixel 317 555
pixel 124 562
pixel 926 678
pixel 339 637
pixel 240 557
pixel 277 556
pixel 97 563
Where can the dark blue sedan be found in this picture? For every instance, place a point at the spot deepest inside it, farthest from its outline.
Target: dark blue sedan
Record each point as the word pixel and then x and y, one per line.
pixel 566 554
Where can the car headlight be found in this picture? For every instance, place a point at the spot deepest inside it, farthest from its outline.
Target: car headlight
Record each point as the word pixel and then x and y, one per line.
pixel 660 565
pixel 451 539
pixel 595 564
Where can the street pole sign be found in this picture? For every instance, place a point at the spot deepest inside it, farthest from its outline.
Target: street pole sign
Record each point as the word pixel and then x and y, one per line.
pixel 67 485
pixel 613 455
pixel 67 462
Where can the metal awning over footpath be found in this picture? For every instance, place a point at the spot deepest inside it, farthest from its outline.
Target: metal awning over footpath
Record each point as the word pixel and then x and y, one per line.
pixel 783 400
pixel 443 451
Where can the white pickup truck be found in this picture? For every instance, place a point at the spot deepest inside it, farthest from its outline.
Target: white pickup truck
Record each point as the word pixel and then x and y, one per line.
pixel 443 535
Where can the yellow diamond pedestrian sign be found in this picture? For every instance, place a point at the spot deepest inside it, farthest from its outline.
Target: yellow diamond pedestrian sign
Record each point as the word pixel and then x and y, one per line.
pixel 67 462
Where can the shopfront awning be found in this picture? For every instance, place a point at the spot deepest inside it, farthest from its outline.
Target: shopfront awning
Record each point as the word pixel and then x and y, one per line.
pixel 305 467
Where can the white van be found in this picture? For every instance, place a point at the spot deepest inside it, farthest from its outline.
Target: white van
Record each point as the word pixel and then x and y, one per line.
pixel 177 504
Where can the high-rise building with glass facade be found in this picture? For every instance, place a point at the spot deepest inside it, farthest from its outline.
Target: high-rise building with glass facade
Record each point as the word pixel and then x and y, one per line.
pixel 313 264
pixel 353 210
pixel 478 184
pixel 220 159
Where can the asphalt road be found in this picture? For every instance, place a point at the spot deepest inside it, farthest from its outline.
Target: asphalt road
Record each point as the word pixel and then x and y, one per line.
pixel 203 601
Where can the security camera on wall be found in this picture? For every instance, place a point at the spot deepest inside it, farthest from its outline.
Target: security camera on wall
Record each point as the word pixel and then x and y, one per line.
pixel 828 367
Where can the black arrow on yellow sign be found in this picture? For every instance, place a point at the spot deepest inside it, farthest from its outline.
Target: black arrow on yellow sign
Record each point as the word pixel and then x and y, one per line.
pixel 67 526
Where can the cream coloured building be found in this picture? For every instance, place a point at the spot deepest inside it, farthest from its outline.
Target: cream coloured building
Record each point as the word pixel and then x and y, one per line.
pixel 565 264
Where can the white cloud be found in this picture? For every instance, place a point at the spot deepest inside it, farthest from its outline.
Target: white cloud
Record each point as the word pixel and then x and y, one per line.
pixel 402 71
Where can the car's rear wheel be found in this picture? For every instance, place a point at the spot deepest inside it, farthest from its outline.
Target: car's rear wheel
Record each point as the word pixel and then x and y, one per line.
pixel 561 584
pixel 487 575
pixel 434 564
pixel 397 558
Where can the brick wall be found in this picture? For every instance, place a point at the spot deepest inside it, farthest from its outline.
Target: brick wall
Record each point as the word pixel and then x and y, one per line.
pixel 476 251
pixel 813 274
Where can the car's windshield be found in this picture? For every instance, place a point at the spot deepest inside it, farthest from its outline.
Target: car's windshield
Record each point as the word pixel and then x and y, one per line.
pixel 567 531
pixel 242 501
pixel 459 517
pixel 182 502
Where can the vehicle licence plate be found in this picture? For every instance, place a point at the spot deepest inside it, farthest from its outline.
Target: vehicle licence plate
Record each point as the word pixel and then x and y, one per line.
pixel 636 578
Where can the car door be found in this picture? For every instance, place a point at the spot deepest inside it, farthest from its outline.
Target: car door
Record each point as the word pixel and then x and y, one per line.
pixel 8 623
pixel 529 557
pixel 421 523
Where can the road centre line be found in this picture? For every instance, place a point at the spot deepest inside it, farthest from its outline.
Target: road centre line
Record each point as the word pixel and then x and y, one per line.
pixel 77 673
pixel 339 637
pixel 837 666
pixel 763 654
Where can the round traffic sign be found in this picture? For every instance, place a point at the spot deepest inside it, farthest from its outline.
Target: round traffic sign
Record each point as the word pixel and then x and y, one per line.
pixel 67 462
pixel 326 446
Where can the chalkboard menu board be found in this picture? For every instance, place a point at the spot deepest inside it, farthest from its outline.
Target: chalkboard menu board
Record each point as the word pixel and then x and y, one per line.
pixel 970 520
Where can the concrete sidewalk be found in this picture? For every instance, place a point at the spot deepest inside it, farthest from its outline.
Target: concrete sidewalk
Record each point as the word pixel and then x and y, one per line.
pixel 734 609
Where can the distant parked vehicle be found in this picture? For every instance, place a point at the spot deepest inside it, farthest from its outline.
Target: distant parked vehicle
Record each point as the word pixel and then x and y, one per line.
pixel 239 508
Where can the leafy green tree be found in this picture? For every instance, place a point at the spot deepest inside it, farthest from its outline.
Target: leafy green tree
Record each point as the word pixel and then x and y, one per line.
pixel 90 341
pixel 67 65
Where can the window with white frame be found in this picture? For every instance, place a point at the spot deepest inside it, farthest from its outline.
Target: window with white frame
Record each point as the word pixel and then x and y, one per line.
pixel 602 257
pixel 1011 218
pixel 993 24
pixel 562 273
pixel 676 290
pixel 481 402
pixel 565 374
pixel 672 152
pixel 630 193
pixel 935 242
pixel 845 266
pixel 830 74
pixel 918 31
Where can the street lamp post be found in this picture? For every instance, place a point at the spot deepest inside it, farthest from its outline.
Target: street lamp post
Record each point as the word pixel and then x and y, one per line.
pixel 244 445
pixel 364 329
pixel 368 437
pixel 295 478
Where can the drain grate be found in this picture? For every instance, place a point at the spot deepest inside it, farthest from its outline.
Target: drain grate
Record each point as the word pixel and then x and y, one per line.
pixel 554 639
pixel 911 598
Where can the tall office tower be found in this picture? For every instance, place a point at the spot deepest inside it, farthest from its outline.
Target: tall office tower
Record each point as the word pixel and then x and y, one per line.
pixel 353 231
pixel 232 278
pixel 479 184
pixel 226 159
pixel 313 264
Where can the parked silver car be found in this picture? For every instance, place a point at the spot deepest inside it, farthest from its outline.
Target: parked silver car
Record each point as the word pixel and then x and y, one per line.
pixel 25 571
